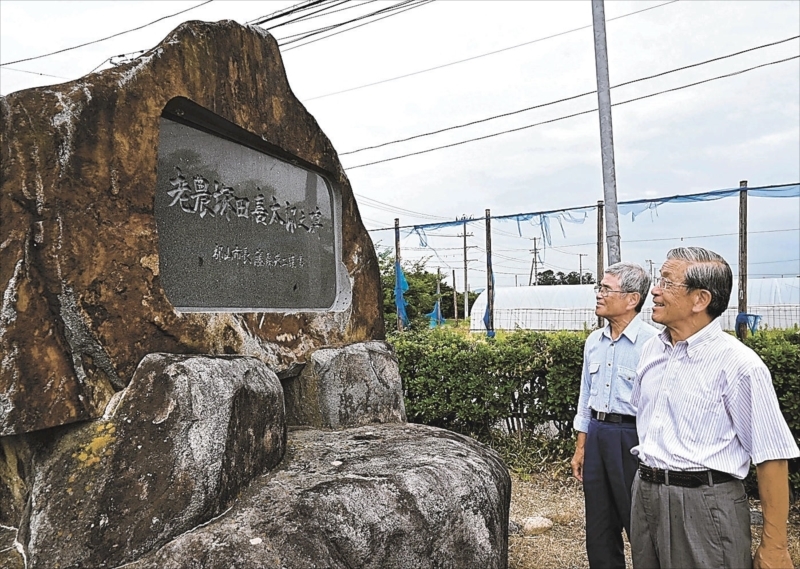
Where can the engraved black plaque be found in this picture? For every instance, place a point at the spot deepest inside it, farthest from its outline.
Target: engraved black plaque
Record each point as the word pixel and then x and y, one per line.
pixel 240 229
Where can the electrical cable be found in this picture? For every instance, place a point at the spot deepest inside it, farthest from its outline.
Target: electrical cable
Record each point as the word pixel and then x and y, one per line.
pixel 340 9
pixel 481 55
pixel 106 38
pixel 309 33
pixel 571 115
pixel 369 202
pixel 322 12
pixel 36 72
pixel 414 4
pixel 570 98
pixel 293 9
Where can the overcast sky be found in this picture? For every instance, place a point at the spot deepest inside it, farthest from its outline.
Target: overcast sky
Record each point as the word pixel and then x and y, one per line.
pixel 698 139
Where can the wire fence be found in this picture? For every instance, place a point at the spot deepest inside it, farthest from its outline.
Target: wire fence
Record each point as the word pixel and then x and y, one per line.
pixel 772 316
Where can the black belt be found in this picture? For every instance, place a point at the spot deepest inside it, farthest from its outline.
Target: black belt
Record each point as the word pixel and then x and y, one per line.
pixel 612 417
pixel 687 479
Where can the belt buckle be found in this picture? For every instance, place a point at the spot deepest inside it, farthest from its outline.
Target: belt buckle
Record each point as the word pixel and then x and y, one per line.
pixel 601 416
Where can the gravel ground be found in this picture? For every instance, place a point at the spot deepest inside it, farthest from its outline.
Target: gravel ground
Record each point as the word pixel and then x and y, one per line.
pixel 559 497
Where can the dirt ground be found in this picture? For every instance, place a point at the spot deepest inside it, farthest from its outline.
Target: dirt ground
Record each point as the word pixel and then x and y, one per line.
pixel 559 497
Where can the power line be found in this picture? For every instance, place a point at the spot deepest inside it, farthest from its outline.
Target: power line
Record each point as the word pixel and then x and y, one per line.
pixel 369 202
pixel 293 9
pixel 681 238
pixel 324 11
pixel 570 98
pixel 573 114
pixel 393 11
pixel 36 73
pixel 106 38
pixel 481 55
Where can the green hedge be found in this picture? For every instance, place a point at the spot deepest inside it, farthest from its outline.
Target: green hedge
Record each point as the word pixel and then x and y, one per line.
pixel 470 384
pixel 780 350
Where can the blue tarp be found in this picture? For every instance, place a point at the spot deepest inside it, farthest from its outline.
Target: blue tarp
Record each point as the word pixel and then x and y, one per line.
pixel 436 315
pixel 636 207
pixel 400 286
pixel 543 219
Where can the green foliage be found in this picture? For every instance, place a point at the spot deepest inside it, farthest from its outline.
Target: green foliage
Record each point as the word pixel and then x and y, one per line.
pixel 471 384
pixel 548 277
pixel 780 350
pixel 421 294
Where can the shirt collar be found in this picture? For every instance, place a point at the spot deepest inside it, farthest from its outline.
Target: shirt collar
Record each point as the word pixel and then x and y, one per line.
pixel 706 333
pixel 631 331
pixel 696 340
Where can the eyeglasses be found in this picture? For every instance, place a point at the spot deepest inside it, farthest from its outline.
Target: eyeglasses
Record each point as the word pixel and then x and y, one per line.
pixel 665 284
pixel 604 291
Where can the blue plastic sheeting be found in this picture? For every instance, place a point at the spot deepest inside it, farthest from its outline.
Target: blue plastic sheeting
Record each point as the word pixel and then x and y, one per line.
pixel 420 230
pixel 751 320
pixel 436 315
pixel 543 219
pixel 637 207
pixel 400 286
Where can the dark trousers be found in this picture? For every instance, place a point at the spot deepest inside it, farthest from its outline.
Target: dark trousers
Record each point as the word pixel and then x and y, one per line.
pixel 608 472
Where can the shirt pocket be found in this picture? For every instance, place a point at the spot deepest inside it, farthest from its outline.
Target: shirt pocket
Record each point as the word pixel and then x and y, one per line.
pixel 624 384
pixel 594 374
pixel 696 417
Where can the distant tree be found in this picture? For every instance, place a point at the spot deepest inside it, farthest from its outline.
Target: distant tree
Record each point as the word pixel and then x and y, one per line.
pixel 548 277
pixel 421 294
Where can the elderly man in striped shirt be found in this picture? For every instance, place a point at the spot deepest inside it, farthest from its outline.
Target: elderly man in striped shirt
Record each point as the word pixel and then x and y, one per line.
pixel 606 420
pixel 707 407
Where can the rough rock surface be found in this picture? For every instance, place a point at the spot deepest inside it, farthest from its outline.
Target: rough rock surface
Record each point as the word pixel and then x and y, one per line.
pixel 173 450
pixel 377 497
pixel 347 387
pixel 82 301
pixel 536 525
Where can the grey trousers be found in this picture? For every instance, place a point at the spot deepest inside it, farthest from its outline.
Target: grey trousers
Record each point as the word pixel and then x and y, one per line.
pixel 681 528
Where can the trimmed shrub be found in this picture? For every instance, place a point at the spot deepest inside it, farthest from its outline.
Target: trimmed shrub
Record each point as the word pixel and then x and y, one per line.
pixel 471 384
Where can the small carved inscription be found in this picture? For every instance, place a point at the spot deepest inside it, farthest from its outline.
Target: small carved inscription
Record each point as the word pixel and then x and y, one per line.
pixel 258 258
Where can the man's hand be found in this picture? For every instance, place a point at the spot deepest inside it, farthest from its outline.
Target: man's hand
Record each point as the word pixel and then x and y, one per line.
pixel 773 489
pixel 767 557
pixel 577 459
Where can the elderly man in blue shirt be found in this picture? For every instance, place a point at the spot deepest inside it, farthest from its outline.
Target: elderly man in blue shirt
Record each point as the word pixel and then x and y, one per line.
pixel 606 420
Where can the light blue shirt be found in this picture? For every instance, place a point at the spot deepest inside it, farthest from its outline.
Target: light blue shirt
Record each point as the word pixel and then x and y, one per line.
pixel 609 369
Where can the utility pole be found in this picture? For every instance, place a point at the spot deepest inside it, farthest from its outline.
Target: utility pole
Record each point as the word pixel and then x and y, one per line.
pixel 489 274
pixel 606 132
pixel 455 298
pixel 397 264
pixel 600 260
pixel 580 264
pixel 742 305
pixel 466 287
pixel 534 279
pixel 438 295
pixel 652 273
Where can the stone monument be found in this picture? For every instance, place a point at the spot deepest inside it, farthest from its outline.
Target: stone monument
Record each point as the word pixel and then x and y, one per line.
pixel 193 370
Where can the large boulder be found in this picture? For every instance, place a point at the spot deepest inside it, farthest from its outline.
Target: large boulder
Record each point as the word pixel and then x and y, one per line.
pixel 173 450
pixel 83 292
pixel 346 387
pixel 377 497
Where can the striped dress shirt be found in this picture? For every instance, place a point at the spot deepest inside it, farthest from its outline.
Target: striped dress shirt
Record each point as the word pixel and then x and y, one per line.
pixel 707 403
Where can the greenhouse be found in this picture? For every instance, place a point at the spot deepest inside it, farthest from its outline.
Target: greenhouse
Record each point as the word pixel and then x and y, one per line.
pixel 571 307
